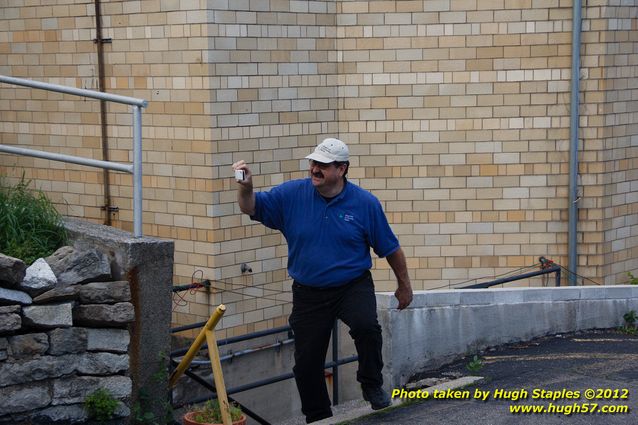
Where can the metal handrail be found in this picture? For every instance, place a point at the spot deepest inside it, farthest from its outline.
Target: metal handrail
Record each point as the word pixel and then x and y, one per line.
pixel 135 168
pixel 552 269
pixel 74 91
pixel 333 364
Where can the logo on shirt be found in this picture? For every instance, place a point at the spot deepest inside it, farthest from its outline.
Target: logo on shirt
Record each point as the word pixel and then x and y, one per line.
pixel 346 217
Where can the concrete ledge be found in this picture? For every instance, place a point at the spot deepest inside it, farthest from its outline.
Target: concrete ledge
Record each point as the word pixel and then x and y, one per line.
pixel 441 326
pixel 360 408
pixel 147 264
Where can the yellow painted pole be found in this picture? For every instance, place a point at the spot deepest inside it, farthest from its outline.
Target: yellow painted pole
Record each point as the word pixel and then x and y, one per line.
pixel 192 351
pixel 220 387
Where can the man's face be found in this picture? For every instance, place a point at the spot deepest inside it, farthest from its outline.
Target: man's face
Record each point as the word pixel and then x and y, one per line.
pixel 326 175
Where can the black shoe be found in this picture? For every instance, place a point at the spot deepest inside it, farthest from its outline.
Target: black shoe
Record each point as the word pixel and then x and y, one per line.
pixel 318 416
pixel 377 397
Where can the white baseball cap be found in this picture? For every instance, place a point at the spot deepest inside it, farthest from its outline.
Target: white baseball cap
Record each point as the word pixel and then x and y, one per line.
pixel 330 150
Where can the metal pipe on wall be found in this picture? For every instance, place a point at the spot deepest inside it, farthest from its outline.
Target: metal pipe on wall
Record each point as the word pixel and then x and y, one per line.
pixel 572 234
pixel 103 119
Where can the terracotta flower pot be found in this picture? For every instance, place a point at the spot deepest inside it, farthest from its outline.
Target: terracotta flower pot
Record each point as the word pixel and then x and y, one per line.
pixel 188 419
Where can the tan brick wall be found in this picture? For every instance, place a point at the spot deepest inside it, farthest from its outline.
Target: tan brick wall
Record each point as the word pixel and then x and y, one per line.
pixel 456 113
pixel 610 169
pixel 459 112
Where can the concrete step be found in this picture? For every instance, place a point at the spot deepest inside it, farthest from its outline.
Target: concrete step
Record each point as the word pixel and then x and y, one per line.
pixel 355 409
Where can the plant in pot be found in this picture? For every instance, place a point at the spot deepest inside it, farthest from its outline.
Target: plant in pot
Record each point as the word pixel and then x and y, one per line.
pixel 210 414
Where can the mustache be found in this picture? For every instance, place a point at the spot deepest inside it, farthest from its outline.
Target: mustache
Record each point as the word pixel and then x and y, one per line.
pixel 318 174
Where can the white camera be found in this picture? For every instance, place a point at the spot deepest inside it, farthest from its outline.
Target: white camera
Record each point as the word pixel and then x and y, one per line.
pixel 240 175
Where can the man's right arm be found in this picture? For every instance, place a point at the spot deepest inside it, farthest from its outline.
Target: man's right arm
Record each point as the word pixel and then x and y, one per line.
pixel 245 194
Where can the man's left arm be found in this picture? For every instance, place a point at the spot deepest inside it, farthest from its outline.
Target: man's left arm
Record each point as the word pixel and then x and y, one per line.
pixel 400 268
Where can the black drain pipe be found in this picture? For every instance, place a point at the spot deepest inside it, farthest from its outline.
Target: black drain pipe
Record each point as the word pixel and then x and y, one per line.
pixel 103 121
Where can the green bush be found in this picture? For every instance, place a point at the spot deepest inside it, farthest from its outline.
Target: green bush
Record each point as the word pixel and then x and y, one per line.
pixel 30 226
pixel 100 405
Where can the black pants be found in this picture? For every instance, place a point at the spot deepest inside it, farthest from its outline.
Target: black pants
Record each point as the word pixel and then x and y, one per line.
pixel 314 312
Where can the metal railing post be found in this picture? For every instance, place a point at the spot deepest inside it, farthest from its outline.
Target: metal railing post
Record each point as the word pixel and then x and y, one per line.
pixel 558 277
pixel 137 171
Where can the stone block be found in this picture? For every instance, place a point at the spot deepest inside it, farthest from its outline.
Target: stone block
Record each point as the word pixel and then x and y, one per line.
pixel 22 398
pixel 105 292
pixel 104 315
pixel 511 295
pixel 10 309
pixel 565 293
pixel 67 341
pixel 10 319
pixel 384 300
pixel 111 340
pixel 12 297
pixel 28 345
pixel 102 363
pixel 73 266
pixel 37 369
pixel 48 316
pixel 476 296
pixel 57 294
pixel 39 278
pixel 62 414
pixel 12 271
pixel 4 344
pixel 618 292
pixel 438 298
pixel 537 294
pixel 75 389
pixel 76 414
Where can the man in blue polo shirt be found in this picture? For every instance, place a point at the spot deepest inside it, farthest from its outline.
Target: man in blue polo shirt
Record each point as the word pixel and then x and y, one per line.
pixel 330 225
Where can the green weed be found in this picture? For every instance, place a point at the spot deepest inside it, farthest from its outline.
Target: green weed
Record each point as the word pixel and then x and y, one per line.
pixel 30 226
pixel 100 405
pixel 630 323
pixel 210 412
pixel 475 364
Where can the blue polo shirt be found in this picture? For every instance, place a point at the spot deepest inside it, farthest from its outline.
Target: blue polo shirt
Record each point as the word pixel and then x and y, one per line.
pixel 328 241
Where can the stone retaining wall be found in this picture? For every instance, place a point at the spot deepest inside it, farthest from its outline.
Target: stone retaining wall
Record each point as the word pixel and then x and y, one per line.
pixel 63 335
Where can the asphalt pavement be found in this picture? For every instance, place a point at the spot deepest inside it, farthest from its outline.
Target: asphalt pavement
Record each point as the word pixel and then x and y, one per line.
pixel 579 378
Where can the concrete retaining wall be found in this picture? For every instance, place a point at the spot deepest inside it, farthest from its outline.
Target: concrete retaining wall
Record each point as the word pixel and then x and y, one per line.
pixel 147 263
pixel 442 325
